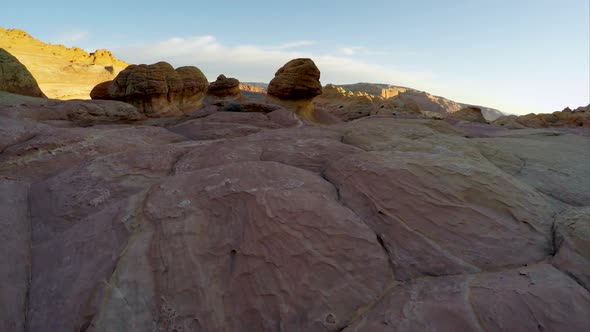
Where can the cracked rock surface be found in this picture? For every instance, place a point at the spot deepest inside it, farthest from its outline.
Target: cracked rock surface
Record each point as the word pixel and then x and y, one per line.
pixel 253 221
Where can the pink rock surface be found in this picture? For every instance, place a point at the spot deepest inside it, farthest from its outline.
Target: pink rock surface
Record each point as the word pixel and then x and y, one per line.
pixel 259 221
pixel 536 298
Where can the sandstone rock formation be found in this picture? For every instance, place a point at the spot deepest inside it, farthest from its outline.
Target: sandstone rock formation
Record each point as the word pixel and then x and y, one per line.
pixel 158 90
pixel 295 85
pixel 62 73
pixel 580 117
pixel 224 87
pixel 15 78
pixel 470 114
pixel 239 216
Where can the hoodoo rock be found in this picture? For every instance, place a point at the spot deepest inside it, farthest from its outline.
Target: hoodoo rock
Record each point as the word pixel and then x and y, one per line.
pixel 297 79
pixel 295 85
pixel 158 90
pixel 224 87
pixel 16 78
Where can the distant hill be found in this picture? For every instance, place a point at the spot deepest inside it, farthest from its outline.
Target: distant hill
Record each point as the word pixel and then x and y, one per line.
pixel 426 101
pixel 62 73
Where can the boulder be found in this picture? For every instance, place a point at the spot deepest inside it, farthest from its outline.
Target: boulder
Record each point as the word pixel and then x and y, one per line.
pixel 158 90
pixel 101 90
pixel 86 113
pixel 224 87
pixel 295 85
pixel 16 78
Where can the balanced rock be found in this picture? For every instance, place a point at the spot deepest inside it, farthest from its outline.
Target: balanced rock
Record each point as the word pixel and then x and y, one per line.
pixel 295 85
pixel 16 78
pixel 159 90
pixel 224 87
pixel 470 114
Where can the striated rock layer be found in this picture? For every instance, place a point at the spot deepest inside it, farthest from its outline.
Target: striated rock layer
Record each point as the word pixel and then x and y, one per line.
pixel 222 220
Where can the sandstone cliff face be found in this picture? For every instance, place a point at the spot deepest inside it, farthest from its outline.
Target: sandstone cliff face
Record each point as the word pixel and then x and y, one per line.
pixel 254 220
pixel 62 73
pixel 15 78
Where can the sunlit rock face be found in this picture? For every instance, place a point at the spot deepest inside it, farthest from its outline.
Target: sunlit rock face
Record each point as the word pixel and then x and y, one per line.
pixel 61 72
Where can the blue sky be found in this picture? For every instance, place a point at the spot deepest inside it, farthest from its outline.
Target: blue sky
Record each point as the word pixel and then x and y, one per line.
pixel 519 56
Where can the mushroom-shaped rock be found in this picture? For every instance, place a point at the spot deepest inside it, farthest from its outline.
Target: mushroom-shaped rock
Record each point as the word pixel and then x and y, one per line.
pixel 469 113
pixel 297 79
pixel 295 85
pixel 224 87
pixel 101 90
pixel 159 90
pixel 16 78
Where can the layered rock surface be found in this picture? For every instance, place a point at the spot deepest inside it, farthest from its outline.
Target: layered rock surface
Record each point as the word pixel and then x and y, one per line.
pixel 158 90
pixel 254 220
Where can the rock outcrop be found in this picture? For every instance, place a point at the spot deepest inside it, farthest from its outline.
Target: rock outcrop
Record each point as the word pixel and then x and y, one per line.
pixel 224 87
pixel 580 117
pixel 295 85
pixel 61 72
pixel 15 78
pixel 470 114
pixel 158 90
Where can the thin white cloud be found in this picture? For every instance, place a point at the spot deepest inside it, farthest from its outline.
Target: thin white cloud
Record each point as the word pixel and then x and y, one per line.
pixel 359 50
pixel 347 50
pixel 68 38
pixel 259 63
pixel 295 44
